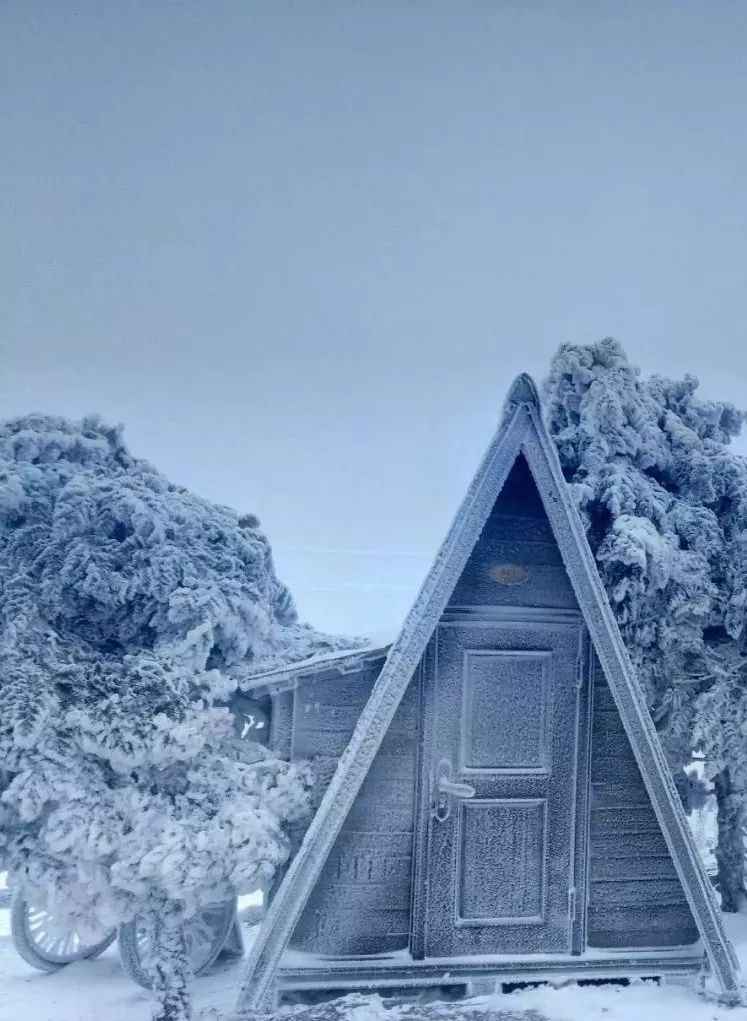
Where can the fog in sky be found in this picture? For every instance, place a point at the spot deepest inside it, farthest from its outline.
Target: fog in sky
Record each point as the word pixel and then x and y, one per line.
pixel 301 248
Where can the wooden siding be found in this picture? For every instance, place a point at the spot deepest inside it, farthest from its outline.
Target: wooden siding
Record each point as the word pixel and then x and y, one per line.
pixel 635 895
pixel 361 902
pixel 516 546
pixel 281 724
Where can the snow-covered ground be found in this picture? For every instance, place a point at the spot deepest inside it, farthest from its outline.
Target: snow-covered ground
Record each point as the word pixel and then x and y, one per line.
pixel 94 990
pixel 99 991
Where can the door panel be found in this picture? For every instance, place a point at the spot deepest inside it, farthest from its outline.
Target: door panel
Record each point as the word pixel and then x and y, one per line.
pixel 504 726
pixel 501 750
pixel 516 892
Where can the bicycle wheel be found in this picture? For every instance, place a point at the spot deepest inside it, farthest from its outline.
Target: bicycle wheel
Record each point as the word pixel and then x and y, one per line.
pixel 41 942
pixel 205 935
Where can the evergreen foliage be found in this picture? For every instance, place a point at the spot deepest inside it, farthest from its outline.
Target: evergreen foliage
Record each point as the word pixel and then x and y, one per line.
pixel 128 609
pixel 664 501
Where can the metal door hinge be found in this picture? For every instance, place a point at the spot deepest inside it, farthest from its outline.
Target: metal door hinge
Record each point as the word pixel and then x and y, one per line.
pixel 572 904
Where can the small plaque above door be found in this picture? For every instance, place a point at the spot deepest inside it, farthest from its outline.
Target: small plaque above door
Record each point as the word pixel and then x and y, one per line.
pixel 508 574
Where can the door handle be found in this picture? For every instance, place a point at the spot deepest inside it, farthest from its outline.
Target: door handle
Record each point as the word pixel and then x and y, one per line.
pixel 445 791
pixel 455 790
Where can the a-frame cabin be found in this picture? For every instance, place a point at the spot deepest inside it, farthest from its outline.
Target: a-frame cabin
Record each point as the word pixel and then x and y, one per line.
pixel 501 809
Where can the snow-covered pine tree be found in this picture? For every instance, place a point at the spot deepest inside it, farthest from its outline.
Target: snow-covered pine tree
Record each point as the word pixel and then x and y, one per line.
pixel 128 610
pixel 664 500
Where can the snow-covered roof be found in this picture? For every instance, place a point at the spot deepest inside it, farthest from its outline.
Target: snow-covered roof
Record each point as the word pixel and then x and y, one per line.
pixel 275 676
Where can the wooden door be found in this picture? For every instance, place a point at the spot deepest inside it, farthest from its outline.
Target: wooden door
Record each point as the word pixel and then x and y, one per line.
pixel 502 702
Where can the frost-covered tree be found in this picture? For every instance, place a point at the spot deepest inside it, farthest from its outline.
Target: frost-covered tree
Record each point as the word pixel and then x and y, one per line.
pixel 130 609
pixel 664 500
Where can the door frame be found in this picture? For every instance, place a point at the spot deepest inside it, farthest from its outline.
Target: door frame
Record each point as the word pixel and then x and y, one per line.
pixel 480 615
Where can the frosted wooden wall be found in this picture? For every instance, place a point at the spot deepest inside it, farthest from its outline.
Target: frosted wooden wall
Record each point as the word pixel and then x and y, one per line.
pixel 362 900
pixel 635 896
pixel 361 903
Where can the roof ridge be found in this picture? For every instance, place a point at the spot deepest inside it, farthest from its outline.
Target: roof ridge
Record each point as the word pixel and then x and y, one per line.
pixel 523 390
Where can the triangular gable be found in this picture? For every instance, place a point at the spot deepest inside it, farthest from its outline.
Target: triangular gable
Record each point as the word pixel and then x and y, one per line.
pixel 522 432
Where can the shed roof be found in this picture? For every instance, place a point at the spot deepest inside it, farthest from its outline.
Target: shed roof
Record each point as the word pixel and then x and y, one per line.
pixel 275 677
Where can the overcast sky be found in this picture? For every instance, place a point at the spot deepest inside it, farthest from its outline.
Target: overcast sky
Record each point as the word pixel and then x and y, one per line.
pixel 301 248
